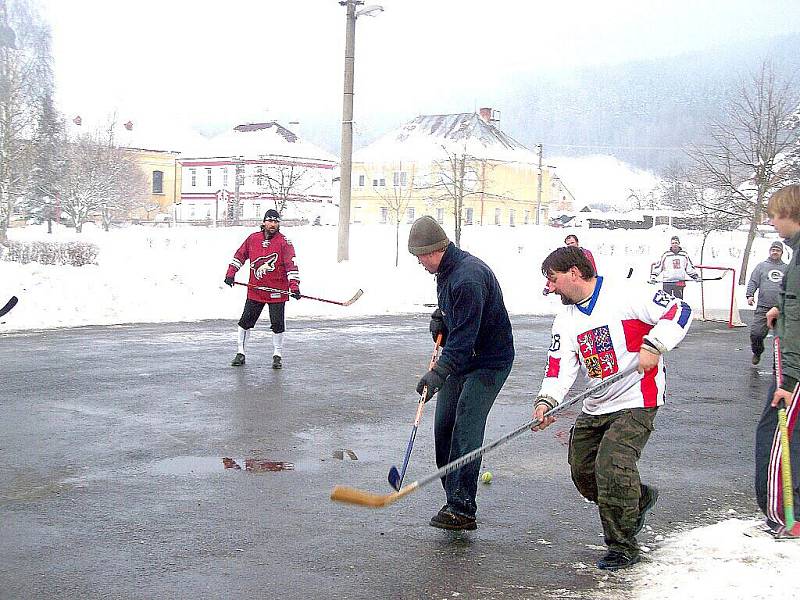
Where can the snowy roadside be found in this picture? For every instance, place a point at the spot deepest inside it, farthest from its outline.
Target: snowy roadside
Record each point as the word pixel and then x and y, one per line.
pixel 715 562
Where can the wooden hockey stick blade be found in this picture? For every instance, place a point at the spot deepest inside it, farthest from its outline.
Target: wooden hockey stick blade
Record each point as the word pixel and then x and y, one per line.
pixel 355 297
pixel 12 302
pixel 349 495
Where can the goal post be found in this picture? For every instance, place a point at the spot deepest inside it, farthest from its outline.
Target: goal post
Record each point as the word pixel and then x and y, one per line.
pixel 718 295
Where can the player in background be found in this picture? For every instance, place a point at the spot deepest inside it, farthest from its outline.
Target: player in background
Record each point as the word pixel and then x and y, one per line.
pixel 572 240
pixel 272 264
pixel 477 353
pixel 783 209
pixel 606 329
pixel 673 268
pixel 765 279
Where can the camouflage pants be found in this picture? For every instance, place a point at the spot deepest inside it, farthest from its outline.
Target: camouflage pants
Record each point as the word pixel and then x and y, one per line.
pixel 603 451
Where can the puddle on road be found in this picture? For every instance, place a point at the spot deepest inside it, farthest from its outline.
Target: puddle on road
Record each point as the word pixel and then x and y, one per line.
pixel 203 465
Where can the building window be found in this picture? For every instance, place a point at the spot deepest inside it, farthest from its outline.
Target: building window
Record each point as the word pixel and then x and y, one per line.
pixel 527 217
pixel 259 175
pixel 379 182
pixel 193 173
pixel 440 215
pixel 361 180
pixel 399 179
pixel 497 216
pixel 158 182
pixel 468 216
pixel 511 218
pixel 208 177
pixel 384 215
pixel 410 214
pixel 258 210
pixel 224 177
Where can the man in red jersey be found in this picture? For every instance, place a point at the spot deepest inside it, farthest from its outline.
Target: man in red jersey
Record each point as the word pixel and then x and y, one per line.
pixel 272 265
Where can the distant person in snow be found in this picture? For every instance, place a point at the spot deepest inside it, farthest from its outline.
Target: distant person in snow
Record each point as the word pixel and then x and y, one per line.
pixel 783 209
pixel 572 240
pixel 765 279
pixel 674 268
pixel 272 265
pixel 477 353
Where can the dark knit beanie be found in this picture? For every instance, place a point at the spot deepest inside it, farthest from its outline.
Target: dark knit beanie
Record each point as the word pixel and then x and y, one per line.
pixel 272 215
pixel 426 236
pixel 777 245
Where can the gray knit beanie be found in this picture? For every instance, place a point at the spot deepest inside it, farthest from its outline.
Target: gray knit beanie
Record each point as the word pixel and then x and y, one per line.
pixel 426 236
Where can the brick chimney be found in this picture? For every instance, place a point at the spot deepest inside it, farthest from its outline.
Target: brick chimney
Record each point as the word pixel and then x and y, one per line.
pixel 486 114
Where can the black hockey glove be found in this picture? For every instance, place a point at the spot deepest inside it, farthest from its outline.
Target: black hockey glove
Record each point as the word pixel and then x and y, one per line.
pixel 294 291
pixel 437 326
pixel 433 380
pixel 229 281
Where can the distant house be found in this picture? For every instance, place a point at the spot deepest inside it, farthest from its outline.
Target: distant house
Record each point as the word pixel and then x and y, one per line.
pixel 235 177
pixel 425 165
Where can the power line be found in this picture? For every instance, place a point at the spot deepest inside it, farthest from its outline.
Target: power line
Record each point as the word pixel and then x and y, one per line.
pixel 672 148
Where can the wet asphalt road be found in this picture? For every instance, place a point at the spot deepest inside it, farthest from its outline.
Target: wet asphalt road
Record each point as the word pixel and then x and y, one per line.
pixel 112 486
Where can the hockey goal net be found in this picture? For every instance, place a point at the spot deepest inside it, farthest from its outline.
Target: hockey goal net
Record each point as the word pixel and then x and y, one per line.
pixel 713 297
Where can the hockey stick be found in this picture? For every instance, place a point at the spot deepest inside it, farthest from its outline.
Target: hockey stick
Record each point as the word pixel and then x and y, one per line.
pixel 12 302
pixel 786 465
pixel 396 477
pixel 699 279
pixel 355 297
pixel 349 495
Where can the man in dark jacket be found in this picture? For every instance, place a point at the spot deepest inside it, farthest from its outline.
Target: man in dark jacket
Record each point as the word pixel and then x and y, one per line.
pixel 477 353
pixel 766 279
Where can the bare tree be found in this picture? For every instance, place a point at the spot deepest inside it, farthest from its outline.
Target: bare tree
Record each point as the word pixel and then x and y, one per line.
pixel 284 183
pixel 682 190
pixel 457 177
pixel 25 78
pixel 100 180
pixel 397 200
pixel 744 161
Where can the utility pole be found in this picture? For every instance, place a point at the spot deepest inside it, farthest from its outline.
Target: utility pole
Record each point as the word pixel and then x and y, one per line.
pixel 539 185
pixel 345 181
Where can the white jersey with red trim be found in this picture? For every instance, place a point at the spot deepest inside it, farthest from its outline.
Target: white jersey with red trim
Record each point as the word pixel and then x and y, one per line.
pixel 673 266
pixel 604 335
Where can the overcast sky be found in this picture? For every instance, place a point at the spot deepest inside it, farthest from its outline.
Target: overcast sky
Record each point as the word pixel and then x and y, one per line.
pixel 205 61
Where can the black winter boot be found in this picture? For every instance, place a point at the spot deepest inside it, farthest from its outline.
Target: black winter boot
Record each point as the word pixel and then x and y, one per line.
pixel 617 560
pixel 276 362
pixel 238 360
pixel 445 519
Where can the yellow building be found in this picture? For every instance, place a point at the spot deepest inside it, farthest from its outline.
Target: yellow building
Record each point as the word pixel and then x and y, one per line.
pixel 437 164
pixel 162 171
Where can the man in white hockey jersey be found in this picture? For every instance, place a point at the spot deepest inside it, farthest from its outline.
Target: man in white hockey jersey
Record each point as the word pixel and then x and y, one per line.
pixel 674 268
pixel 604 330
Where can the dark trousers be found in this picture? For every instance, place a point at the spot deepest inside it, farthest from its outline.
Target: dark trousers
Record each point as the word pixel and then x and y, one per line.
pixel 674 288
pixel 759 330
pixel 769 492
pixel 252 311
pixel 462 407
pixel 603 451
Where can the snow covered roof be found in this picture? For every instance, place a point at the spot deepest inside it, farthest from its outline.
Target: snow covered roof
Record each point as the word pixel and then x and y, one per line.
pixel 256 140
pixel 431 137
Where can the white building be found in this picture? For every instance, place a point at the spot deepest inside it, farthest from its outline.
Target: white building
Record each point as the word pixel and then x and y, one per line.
pixel 237 176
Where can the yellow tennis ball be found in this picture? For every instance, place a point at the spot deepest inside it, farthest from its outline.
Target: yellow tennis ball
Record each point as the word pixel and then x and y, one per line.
pixel 486 477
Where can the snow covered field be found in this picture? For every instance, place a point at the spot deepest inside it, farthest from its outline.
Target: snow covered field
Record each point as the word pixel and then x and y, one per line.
pixel 160 274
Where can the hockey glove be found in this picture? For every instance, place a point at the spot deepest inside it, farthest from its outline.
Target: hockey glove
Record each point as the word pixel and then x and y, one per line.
pixel 229 280
pixel 433 380
pixel 294 290
pixel 437 326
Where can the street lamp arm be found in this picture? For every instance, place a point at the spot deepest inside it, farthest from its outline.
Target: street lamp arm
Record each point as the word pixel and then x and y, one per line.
pixel 370 11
